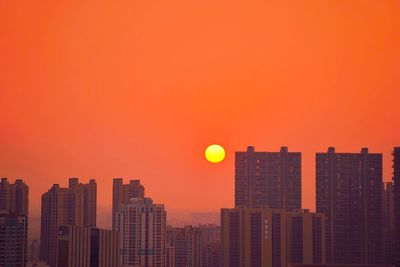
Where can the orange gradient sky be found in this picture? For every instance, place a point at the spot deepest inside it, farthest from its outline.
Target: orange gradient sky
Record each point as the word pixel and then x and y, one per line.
pixel 138 89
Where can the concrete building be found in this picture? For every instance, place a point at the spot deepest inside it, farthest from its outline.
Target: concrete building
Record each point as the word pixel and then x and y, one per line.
pixel 253 237
pixel 195 246
pixel 305 237
pixel 268 179
pixel 87 247
pixel 13 239
pixel 14 197
pixel 349 193
pixel 122 193
pixel 142 226
pixel 14 200
pixel 75 205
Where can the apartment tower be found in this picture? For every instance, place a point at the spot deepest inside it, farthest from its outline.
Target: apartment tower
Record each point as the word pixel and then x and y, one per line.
pixel 142 226
pixel 122 193
pixel 268 179
pixel 253 237
pixel 349 193
pixel 75 205
pixel 13 223
pixel 87 247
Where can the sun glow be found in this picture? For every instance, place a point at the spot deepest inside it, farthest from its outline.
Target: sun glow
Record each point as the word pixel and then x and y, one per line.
pixel 215 153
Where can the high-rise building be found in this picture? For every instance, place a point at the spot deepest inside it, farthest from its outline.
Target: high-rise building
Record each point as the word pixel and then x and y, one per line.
pixel 349 193
pixel 14 197
pixel 195 246
pixel 75 205
pixel 13 239
pixel 122 193
pixel 13 223
pixel 253 237
pixel 142 226
pixel 87 247
pixel 268 179
pixel 388 221
pixel 396 191
pixel 305 236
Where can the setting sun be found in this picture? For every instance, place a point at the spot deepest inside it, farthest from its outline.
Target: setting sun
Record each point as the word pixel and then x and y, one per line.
pixel 215 153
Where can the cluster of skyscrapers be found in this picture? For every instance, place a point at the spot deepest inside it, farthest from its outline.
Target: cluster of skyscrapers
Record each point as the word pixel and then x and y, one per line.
pixel 357 219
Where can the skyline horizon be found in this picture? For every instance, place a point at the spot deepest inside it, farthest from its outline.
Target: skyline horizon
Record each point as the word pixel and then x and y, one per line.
pixel 108 205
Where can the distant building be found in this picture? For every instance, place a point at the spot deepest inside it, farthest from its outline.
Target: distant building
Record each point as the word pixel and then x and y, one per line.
pixel 396 189
pixel 13 222
pixel 305 236
pixel 268 179
pixel 122 193
pixel 195 246
pixel 349 193
pixel 14 197
pixel 13 239
pixel 87 247
pixel 142 226
pixel 253 237
pixel 75 205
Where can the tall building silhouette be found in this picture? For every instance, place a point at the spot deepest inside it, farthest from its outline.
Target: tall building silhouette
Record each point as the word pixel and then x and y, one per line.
pixel 396 180
pixel 142 226
pixel 388 222
pixel 13 223
pixel 13 239
pixel 349 193
pixel 14 197
pixel 122 193
pixel 75 205
pixel 87 247
pixel 268 179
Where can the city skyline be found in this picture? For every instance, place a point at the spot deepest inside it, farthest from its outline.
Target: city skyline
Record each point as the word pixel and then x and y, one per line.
pixel 109 90
pixel 310 204
pixel 261 230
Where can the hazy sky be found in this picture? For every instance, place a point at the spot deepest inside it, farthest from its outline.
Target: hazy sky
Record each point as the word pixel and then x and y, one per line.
pixel 138 89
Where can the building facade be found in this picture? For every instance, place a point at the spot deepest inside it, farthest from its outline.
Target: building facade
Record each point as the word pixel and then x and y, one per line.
pixel 75 205
pixel 14 203
pixel 142 226
pixel 13 239
pixel 87 247
pixel 305 237
pixel 349 193
pixel 253 237
pixel 195 246
pixel 122 193
pixel 14 197
pixel 268 179
pixel 388 222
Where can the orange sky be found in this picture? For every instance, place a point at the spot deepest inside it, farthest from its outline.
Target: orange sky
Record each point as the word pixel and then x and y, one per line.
pixel 137 89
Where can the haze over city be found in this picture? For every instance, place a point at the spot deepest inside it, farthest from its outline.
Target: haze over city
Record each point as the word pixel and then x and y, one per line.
pixel 139 89
pixel 184 120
